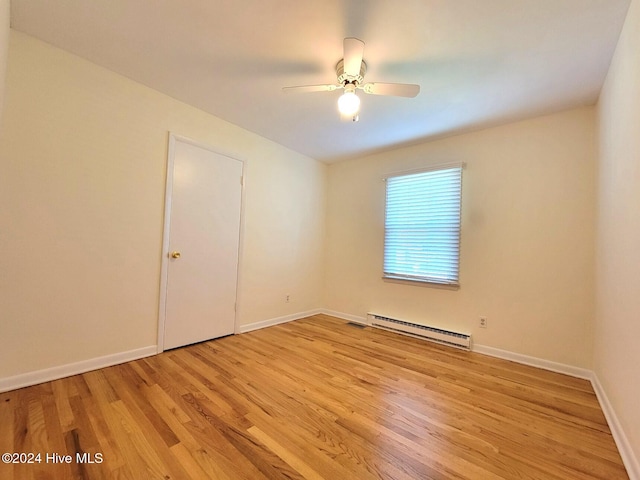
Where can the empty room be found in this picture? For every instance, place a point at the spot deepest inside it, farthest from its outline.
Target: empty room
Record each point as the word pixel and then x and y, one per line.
pixel 341 239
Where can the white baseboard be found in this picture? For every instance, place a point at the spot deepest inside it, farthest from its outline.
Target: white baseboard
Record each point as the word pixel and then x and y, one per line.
pixel 629 459
pixel 278 320
pixel 534 361
pixel 626 452
pixel 55 373
pixel 346 316
pixel 495 352
pixel 624 446
pixel 622 442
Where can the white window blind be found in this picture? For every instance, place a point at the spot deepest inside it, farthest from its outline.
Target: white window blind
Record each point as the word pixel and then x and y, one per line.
pixel 422 226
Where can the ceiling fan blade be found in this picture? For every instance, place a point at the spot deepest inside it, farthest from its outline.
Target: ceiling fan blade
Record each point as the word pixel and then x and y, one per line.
pixel 311 88
pixel 393 89
pixel 353 51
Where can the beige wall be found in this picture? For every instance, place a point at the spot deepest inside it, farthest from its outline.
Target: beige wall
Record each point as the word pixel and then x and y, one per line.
pixel 4 47
pixel 617 330
pixel 527 237
pixel 83 154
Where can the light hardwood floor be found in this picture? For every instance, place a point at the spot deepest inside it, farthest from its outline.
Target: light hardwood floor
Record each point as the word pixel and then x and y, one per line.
pixel 316 399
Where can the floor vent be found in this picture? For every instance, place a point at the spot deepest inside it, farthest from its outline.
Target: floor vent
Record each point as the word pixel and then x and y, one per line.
pixel 356 325
pixel 444 337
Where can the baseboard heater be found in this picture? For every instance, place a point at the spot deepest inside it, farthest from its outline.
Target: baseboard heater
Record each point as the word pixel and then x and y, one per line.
pixel 444 337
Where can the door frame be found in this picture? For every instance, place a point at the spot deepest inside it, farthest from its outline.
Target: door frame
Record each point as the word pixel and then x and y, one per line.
pixel 164 266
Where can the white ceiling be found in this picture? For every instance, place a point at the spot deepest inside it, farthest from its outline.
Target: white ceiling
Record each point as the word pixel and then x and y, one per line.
pixel 478 62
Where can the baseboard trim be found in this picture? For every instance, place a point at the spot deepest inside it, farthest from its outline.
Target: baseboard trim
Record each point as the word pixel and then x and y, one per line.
pixel 346 316
pixel 62 371
pixel 277 321
pixel 494 352
pixel 54 373
pixel 622 442
pixel 624 446
pixel 534 361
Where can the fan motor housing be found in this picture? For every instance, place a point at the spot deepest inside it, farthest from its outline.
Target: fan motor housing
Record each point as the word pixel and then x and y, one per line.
pixel 343 77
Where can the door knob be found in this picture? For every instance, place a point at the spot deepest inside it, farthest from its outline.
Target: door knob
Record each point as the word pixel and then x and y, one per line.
pixel 175 254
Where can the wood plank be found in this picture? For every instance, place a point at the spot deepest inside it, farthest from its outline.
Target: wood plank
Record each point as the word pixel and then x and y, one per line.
pixel 313 399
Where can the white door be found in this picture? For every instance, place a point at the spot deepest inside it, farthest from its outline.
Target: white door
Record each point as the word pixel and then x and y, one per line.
pixel 202 248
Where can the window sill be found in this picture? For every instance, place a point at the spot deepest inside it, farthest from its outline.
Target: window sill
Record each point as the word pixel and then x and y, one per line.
pixel 420 283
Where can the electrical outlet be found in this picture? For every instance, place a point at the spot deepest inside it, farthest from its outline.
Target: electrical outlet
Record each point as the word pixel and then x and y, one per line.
pixel 483 322
pixel 287 298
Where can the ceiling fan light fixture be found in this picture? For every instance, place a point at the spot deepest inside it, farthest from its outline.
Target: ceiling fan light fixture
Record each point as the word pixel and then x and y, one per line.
pixel 350 72
pixel 349 102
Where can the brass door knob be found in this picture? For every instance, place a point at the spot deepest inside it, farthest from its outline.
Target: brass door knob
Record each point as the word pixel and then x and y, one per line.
pixel 175 254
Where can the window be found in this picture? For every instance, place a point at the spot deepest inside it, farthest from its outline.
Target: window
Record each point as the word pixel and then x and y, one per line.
pixel 422 226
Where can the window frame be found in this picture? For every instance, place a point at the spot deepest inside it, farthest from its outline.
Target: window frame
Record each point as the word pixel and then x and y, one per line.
pixel 424 279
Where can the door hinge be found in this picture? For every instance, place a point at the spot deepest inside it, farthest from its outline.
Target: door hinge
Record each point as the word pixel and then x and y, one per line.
pixel 242 180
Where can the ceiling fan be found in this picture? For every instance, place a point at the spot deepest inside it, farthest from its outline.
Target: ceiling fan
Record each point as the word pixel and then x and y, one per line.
pixel 350 72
